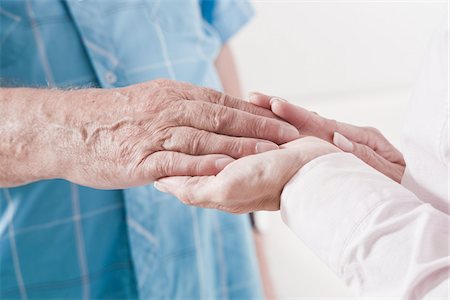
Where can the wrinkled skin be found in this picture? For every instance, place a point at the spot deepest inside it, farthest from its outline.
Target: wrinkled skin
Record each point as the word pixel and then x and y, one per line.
pixel 124 137
pixel 167 128
pixel 134 135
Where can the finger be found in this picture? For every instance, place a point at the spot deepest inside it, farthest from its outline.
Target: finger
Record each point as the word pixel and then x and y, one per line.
pixel 373 138
pixel 369 156
pixel 310 123
pixel 307 122
pixel 216 97
pixel 199 142
pixel 361 135
pixel 187 91
pixel 260 99
pixel 168 163
pixel 228 121
pixel 266 100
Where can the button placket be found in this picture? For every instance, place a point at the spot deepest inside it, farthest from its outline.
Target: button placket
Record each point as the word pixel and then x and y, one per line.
pixel 98 41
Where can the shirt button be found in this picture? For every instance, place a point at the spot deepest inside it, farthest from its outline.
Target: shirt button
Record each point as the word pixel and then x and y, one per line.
pixel 110 77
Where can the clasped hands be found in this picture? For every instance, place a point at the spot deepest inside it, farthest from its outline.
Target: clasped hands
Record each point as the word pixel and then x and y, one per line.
pixel 255 182
pixel 205 147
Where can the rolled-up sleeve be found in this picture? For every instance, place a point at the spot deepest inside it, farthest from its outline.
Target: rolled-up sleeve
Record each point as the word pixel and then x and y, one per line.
pixel 372 232
pixel 226 17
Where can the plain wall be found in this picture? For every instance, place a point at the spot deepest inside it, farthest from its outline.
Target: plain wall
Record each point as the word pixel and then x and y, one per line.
pixel 307 48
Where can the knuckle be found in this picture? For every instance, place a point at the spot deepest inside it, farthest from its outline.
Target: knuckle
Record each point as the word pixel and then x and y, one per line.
pixel 177 112
pixel 258 126
pixel 239 148
pixel 200 167
pixel 234 147
pixel 212 95
pixel 184 139
pixel 163 166
pixel 168 90
pixel 194 166
pixel 196 141
pixel 148 165
pixel 220 118
pixel 223 98
pixel 168 139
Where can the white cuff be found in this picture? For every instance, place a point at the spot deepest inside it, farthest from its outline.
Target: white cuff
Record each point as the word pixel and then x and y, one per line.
pixel 328 200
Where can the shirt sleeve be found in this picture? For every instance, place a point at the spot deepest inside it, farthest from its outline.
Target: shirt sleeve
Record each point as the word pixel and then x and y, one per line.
pixel 226 17
pixel 372 232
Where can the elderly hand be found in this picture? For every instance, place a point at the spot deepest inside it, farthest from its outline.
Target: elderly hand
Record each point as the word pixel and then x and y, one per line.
pixel 248 184
pixel 367 143
pixel 116 138
pixel 138 134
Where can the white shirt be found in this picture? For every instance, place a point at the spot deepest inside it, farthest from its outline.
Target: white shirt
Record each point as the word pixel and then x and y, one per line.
pixel 382 238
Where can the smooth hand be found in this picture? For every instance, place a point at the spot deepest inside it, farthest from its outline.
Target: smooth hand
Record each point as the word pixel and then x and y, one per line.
pixel 367 143
pixel 248 184
pixel 135 135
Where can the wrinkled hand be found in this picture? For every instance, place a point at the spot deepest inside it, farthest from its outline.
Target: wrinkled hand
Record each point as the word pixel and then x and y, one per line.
pixel 367 143
pixel 248 184
pixel 134 135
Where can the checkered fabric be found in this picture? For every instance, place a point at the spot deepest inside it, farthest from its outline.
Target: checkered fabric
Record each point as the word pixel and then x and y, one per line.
pixel 61 240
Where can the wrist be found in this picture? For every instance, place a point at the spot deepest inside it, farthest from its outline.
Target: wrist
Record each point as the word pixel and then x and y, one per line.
pixel 25 148
pixel 80 129
pixel 44 133
pixel 68 118
pixel 47 133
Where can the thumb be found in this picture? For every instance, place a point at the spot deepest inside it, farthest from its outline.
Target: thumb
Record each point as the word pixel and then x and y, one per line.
pixel 171 185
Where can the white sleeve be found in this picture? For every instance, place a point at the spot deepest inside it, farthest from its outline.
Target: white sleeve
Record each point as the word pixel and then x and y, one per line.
pixel 372 232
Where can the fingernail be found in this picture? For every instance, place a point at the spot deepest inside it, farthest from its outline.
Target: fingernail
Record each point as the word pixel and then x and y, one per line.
pixel 160 187
pixel 274 100
pixel 223 162
pixel 342 142
pixel 264 147
pixel 289 133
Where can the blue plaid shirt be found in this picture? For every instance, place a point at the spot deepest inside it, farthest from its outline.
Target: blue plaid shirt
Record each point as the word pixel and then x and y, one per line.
pixel 61 240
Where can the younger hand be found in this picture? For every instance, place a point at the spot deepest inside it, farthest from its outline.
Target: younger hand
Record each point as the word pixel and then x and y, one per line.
pixel 366 143
pixel 248 184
